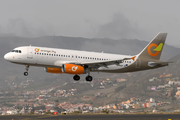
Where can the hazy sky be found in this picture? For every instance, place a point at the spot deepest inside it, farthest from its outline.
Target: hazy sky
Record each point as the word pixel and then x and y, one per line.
pixel 140 19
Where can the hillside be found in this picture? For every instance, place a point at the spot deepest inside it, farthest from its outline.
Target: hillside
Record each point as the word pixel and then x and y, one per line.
pixel 137 85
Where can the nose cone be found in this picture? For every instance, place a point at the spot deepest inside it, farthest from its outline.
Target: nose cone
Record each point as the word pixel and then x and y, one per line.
pixel 7 56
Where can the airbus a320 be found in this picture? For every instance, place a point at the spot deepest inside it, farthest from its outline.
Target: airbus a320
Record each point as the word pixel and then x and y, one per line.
pixel 76 62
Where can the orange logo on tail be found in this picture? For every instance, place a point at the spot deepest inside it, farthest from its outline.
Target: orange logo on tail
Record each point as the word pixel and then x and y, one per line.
pixel 149 50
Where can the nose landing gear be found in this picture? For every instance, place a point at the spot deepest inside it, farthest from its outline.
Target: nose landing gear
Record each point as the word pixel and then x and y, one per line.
pixel 27 68
pixel 25 73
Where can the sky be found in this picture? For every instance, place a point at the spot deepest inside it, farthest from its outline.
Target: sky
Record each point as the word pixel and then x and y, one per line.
pixel 116 19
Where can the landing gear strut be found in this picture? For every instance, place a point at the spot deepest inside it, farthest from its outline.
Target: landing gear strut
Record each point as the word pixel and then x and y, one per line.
pixel 89 78
pixel 76 77
pixel 27 68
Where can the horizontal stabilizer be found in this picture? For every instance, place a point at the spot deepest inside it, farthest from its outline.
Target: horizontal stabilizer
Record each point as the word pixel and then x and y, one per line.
pixel 152 64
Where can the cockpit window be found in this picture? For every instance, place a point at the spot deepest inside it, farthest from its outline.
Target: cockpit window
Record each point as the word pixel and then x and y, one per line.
pixel 17 51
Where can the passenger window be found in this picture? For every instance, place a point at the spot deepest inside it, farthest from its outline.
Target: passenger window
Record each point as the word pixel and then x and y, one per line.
pixel 49 54
pixel 44 53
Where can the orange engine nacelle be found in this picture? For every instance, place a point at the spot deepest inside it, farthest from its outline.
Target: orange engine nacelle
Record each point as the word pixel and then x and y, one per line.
pixel 53 70
pixel 73 69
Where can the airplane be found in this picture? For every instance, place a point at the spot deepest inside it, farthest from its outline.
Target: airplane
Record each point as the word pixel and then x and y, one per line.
pixel 76 62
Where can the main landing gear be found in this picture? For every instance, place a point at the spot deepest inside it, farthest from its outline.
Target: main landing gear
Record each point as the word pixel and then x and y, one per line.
pixel 27 68
pixel 76 77
pixel 88 78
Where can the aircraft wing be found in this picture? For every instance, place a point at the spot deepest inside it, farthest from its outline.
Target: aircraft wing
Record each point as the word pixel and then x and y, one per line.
pixel 104 63
pixel 94 64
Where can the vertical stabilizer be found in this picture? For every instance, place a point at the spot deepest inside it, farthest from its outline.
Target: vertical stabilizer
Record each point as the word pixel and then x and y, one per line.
pixel 154 49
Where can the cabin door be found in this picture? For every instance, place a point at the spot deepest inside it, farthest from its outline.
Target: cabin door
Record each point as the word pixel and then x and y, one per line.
pixel 29 53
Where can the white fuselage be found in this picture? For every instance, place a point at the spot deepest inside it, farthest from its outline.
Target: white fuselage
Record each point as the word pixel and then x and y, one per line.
pixel 53 57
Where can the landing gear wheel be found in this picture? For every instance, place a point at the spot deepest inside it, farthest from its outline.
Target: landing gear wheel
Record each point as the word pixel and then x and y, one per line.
pixel 27 68
pixel 89 78
pixel 25 73
pixel 76 77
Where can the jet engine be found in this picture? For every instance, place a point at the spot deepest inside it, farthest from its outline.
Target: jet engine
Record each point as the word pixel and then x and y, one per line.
pixel 73 69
